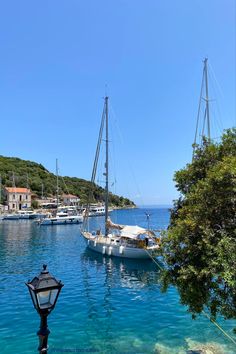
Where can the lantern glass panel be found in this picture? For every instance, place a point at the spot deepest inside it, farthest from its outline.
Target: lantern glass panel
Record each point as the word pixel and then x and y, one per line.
pixel 34 298
pixel 46 299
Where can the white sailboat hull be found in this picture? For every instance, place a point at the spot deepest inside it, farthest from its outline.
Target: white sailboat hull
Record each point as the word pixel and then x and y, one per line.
pixel 122 251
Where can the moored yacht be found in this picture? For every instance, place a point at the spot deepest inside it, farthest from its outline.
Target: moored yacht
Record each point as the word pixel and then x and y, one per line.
pixel 62 218
pixel 96 210
pixel 117 240
pixel 27 214
pixel 129 242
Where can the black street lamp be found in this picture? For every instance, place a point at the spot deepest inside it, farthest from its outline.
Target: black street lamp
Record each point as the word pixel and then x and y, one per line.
pixel 44 291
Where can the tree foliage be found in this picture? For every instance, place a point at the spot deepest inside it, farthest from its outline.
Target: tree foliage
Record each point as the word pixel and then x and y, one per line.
pixel 36 174
pixel 200 245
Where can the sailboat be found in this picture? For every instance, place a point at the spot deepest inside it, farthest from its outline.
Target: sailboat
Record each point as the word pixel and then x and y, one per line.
pixel 124 241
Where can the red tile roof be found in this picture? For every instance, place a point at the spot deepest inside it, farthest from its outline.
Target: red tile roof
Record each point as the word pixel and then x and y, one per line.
pixel 17 190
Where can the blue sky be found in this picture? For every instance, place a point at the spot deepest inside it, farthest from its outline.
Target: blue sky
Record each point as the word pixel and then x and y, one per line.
pixel 58 56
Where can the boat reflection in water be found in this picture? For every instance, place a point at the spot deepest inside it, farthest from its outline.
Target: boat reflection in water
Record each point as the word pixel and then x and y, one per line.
pixel 121 296
pixel 124 272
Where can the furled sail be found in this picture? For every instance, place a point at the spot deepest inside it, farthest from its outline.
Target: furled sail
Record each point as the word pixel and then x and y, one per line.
pixel 131 231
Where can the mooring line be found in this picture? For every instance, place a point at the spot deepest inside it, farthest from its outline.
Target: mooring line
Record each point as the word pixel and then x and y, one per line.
pixel 153 259
pixel 210 319
pixel 219 327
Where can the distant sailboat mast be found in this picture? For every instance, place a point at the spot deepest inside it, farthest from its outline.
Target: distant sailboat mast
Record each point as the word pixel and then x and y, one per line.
pixel 107 170
pixel 207 99
pixel 27 181
pixel 206 119
pixel 57 190
pixel 14 188
pixel 42 192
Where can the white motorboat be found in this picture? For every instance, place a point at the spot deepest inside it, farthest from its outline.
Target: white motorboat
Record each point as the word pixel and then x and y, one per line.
pixel 27 214
pixel 62 218
pixel 97 210
pixel 117 240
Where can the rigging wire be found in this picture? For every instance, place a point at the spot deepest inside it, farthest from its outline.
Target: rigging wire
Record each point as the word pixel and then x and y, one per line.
pixel 113 160
pixel 63 182
pixel 216 107
pixel 211 71
pixel 204 123
pixel 94 172
pixel 216 116
pixel 121 139
pixel 199 108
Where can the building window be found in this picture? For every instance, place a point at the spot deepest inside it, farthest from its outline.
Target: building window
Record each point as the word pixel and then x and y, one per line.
pixel 26 197
pixel 13 197
pixel 13 206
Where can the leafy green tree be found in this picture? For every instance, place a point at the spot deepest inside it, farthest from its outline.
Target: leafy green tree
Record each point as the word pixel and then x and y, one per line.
pixel 200 245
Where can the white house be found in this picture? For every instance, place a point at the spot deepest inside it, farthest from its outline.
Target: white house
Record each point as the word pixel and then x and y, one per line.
pixel 17 198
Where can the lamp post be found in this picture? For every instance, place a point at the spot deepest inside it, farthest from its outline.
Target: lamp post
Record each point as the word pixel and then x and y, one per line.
pixel 44 291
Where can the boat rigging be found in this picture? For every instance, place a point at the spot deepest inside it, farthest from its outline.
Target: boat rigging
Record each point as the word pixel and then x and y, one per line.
pixel 127 241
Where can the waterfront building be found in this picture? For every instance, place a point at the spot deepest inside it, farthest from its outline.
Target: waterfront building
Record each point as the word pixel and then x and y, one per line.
pixel 17 198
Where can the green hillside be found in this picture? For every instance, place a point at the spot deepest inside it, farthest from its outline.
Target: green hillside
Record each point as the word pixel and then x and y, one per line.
pixel 38 175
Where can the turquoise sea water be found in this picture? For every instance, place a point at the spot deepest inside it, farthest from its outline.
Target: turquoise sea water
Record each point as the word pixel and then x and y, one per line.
pixel 106 306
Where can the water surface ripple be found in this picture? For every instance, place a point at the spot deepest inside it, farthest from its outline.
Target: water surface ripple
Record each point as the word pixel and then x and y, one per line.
pixel 107 305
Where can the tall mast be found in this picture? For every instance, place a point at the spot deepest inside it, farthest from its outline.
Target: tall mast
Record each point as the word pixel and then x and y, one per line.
pixel 27 181
pixel 14 186
pixel 13 180
pixel 206 110
pixel 207 99
pixel 57 190
pixel 106 167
